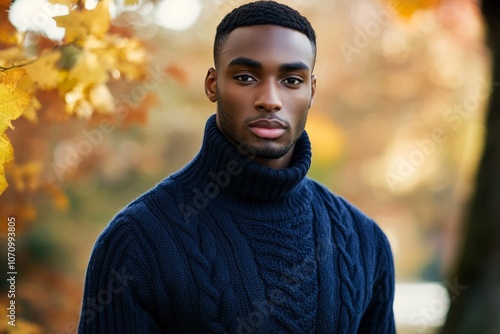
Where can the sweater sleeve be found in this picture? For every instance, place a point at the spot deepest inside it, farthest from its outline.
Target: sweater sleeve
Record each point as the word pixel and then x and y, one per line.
pixel 117 296
pixel 379 316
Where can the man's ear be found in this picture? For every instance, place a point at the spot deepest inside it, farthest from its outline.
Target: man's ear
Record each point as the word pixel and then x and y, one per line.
pixel 211 84
pixel 313 89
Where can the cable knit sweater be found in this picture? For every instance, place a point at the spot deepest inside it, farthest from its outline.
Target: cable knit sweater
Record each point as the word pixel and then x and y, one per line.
pixel 227 245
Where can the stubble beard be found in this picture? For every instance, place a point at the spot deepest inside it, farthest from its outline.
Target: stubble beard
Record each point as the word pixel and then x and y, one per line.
pixel 265 151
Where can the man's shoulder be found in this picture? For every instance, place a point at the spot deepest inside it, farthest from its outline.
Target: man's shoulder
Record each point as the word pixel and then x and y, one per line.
pixel 334 202
pixel 157 206
pixel 147 225
pixel 350 227
pixel 344 212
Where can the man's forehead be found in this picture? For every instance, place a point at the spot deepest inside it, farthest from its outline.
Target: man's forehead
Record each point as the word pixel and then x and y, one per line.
pixel 267 40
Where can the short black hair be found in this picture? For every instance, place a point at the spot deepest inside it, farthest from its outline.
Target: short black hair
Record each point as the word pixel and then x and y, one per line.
pixel 262 13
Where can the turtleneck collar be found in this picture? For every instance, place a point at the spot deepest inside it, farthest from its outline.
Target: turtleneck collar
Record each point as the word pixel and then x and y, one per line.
pixel 233 172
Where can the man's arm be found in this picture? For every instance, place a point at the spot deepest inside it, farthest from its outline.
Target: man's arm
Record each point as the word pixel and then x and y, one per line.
pixel 117 298
pixel 379 316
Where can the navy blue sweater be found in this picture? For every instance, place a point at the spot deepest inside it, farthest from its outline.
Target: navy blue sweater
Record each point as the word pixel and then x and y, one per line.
pixel 227 245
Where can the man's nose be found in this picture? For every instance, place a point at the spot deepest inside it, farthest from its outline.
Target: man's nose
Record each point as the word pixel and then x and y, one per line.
pixel 268 98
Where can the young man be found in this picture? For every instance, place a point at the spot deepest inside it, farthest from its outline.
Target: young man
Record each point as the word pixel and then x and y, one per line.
pixel 240 240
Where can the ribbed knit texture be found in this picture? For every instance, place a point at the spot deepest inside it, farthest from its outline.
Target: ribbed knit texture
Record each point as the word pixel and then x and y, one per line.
pixel 230 246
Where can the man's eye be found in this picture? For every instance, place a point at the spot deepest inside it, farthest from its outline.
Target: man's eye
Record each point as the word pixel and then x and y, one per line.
pixel 244 78
pixel 293 81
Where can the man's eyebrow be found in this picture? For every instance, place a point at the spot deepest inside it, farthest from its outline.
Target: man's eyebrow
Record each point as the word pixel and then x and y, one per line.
pixel 242 61
pixel 289 67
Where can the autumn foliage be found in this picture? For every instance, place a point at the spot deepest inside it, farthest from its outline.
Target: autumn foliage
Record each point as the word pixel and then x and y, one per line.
pixel 46 86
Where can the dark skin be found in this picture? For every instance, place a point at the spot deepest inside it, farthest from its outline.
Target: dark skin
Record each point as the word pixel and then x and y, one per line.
pixel 264 88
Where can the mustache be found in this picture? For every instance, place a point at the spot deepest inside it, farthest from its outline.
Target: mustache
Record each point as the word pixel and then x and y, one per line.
pixel 269 117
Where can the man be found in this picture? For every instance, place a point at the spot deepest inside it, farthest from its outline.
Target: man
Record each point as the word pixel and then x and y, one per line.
pixel 240 240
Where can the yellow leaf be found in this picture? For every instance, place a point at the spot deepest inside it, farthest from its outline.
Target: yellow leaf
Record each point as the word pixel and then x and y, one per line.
pixel 128 57
pixel 327 138
pixel 14 54
pixel 13 102
pixel 130 2
pixel 31 112
pixel 6 154
pixel 27 176
pixel 89 70
pixel 69 3
pixel 3 181
pixel 44 72
pixel 80 23
pixel 102 99
pixel 6 149
pixel 84 109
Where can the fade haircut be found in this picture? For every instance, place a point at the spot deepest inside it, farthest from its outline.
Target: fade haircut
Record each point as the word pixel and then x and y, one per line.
pixel 262 13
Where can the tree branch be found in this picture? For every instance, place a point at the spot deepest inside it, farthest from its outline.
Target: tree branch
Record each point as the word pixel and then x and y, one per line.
pixel 3 69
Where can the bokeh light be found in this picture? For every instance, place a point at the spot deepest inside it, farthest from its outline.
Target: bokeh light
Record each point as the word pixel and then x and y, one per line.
pixel 177 15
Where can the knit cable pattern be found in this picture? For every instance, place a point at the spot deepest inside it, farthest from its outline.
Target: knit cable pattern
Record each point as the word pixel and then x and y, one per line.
pixel 345 249
pixel 284 253
pixel 348 270
pixel 211 276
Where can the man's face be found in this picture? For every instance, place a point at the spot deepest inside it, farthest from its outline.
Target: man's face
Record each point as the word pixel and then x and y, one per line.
pixel 263 88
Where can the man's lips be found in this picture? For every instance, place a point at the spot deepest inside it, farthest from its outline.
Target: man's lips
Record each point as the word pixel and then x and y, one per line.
pixel 267 128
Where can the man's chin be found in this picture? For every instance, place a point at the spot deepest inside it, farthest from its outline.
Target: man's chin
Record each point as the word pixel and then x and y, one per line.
pixel 271 153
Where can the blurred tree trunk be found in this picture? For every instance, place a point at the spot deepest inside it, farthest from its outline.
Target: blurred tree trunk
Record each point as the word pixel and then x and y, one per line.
pixel 475 283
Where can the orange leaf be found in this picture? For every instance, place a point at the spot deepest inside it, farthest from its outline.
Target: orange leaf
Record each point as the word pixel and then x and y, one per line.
pixel 8 34
pixel 177 73
pixel 406 8
pixel 139 114
pixel 60 199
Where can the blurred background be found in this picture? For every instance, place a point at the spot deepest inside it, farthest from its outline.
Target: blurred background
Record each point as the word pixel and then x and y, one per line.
pixel 115 103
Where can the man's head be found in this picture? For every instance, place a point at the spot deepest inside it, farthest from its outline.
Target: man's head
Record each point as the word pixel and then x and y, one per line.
pixel 263 84
pixel 262 13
